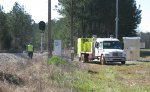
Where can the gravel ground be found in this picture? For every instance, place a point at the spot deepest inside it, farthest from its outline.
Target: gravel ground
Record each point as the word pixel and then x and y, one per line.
pixel 15 61
pixel 22 57
pixel 15 57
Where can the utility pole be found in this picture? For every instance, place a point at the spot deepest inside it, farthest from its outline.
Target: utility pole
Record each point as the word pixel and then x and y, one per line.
pixel 42 42
pixel 49 30
pixel 72 44
pixel 117 19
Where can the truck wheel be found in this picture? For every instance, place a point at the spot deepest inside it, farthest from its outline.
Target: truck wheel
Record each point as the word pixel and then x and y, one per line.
pixel 102 60
pixel 79 58
pixel 123 62
pixel 86 57
pixel 83 58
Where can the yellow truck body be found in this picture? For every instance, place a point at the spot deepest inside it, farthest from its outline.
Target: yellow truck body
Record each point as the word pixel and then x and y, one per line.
pixel 84 45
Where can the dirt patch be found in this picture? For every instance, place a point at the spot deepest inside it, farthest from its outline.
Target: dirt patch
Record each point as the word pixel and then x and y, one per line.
pixel 92 72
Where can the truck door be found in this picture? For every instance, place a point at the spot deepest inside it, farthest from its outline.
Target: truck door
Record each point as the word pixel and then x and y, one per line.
pixel 100 49
pixel 96 48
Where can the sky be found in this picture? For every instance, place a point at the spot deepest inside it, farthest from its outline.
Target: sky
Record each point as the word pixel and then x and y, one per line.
pixel 145 7
pixel 38 9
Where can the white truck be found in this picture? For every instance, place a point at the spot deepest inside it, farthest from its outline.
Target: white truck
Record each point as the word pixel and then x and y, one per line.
pixel 103 49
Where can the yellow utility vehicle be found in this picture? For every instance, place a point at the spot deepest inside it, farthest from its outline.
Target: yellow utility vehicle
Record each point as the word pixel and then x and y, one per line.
pixel 103 49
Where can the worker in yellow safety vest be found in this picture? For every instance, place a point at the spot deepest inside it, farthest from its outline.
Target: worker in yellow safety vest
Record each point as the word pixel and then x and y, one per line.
pixel 30 50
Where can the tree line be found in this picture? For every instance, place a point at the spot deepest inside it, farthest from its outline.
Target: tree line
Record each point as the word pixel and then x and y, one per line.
pixel 90 17
pixel 15 28
pixel 145 37
pixel 97 17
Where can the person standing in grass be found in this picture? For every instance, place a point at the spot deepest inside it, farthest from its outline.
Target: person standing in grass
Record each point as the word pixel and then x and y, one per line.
pixel 30 50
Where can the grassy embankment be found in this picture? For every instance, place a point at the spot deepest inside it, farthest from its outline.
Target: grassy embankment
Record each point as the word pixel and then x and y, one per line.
pixel 133 77
pixel 59 75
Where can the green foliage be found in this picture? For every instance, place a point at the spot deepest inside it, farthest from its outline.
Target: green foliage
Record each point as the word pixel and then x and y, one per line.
pixel 97 17
pixel 69 76
pixel 21 26
pixel 61 31
pixel 5 36
pixel 81 82
pixel 129 18
pixel 36 37
pixel 13 78
pixel 110 78
pixel 15 28
pixel 55 60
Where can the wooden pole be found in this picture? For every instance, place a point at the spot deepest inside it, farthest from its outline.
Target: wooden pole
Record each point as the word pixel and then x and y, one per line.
pixel 117 19
pixel 72 44
pixel 49 30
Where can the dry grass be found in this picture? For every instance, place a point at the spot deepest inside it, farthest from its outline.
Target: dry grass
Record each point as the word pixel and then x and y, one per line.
pixel 33 73
pixel 38 76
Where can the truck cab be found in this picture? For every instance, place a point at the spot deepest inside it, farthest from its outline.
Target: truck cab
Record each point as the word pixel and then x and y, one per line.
pixel 109 50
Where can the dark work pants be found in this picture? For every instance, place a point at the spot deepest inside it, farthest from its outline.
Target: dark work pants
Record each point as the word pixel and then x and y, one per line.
pixel 30 54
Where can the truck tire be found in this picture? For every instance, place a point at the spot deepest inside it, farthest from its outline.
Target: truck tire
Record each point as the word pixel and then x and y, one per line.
pixel 79 58
pixel 84 58
pixel 102 60
pixel 123 62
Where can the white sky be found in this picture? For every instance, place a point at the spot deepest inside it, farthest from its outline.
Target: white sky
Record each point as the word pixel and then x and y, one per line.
pixel 39 10
pixel 145 7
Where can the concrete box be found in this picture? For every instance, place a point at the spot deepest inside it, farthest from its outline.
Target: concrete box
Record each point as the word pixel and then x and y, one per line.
pixel 57 48
pixel 132 47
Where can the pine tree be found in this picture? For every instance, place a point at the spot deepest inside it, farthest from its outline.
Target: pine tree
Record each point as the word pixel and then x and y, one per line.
pixel 97 17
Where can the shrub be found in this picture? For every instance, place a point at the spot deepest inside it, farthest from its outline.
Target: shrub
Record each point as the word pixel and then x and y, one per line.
pixel 56 60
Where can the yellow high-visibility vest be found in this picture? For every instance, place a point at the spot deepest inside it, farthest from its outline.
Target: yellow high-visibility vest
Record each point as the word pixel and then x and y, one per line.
pixel 30 47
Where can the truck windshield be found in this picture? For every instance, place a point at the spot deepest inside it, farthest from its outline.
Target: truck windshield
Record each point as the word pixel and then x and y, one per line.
pixel 111 45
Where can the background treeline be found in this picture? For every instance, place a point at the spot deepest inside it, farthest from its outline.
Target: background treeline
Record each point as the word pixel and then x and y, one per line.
pixel 90 17
pixel 15 28
pixel 97 17
pixel 145 37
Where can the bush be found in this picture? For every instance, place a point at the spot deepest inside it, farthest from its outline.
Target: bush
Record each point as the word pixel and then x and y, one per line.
pixel 56 60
